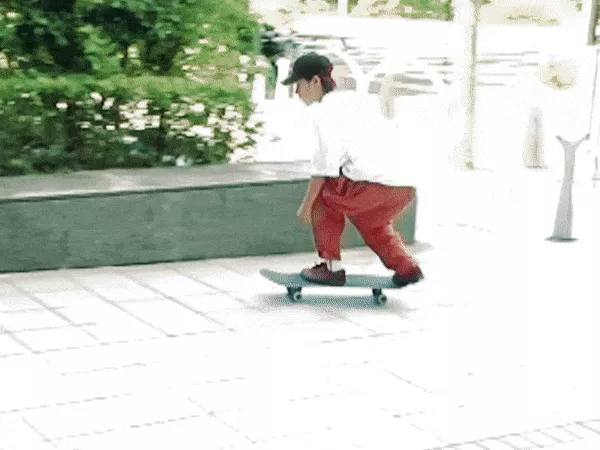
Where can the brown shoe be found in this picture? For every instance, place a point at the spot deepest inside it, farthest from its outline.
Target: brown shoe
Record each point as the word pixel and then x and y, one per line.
pixel 320 274
pixel 414 275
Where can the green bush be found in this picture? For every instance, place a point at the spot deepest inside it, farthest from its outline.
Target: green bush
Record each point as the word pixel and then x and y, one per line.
pixel 412 9
pixel 77 122
pixel 98 37
pixel 91 84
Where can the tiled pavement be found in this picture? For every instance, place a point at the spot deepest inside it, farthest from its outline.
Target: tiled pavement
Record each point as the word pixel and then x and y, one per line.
pixel 496 349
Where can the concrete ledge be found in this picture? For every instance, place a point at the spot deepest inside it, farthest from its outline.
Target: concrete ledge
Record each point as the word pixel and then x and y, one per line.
pixel 121 217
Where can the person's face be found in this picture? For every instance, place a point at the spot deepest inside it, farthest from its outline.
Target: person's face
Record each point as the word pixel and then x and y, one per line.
pixel 309 91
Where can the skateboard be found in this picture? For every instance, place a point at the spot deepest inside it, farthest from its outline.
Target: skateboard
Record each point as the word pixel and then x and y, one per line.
pixel 294 284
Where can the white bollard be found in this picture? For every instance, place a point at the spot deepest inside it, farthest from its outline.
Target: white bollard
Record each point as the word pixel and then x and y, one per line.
pixel 533 149
pixel 596 176
pixel 563 222
pixel 343 8
pixel 259 88
pixel 283 69
pixel 386 97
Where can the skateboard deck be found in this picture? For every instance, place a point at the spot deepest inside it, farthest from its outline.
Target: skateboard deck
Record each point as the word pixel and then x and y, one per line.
pixel 294 283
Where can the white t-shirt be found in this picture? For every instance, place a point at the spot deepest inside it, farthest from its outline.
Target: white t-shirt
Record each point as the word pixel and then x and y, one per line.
pixel 351 133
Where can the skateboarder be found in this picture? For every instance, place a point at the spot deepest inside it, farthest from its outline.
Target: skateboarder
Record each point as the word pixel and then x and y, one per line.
pixel 353 177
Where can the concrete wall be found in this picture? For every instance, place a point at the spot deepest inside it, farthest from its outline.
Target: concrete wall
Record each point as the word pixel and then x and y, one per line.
pixel 131 226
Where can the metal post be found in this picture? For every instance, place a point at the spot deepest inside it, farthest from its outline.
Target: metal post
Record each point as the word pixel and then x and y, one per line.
pixel 467 142
pixel 594 124
pixel 593 20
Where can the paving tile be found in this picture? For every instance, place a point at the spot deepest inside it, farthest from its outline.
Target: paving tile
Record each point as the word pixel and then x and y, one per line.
pixel 560 434
pixel 389 434
pixel 78 388
pixel 15 434
pixel 127 294
pixel 73 297
pixel 170 283
pixel 179 370
pixel 581 432
pixel 390 393
pixel 111 414
pixel 382 322
pixel 469 446
pixel 250 266
pixel 593 424
pixel 251 318
pixel 95 358
pixel 223 279
pixel 315 415
pixel 24 368
pixel 114 287
pixel 31 320
pixel 464 425
pixel 21 387
pixel 211 302
pixel 151 437
pixel 191 434
pixel 122 329
pixel 171 317
pixel 93 312
pixel 518 442
pixel 44 282
pixel 586 444
pixel 493 444
pixel 269 391
pixel 325 440
pixel 56 339
pixel 7 289
pixel 10 303
pixel 306 333
pixel 8 346
pixel 103 441
pixel 539 438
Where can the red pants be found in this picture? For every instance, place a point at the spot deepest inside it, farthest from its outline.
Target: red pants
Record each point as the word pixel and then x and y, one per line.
pixel 373 209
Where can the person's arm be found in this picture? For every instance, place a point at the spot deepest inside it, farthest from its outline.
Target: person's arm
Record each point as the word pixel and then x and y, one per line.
pixel 312 192
pixel 325 164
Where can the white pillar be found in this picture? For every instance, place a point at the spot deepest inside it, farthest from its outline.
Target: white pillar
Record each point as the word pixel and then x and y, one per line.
pixel 343 8
pixel 533 147
pixel 283 70
pixel 595 119
pixel 259 88
pixel 590 11
pixel 469 16
pixel 563 221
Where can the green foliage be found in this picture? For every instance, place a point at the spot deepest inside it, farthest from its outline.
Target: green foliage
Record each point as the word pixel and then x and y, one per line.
pixel 98 36
pixel 425 9
pixel 414 9
pixel 77 122
pixel 94 84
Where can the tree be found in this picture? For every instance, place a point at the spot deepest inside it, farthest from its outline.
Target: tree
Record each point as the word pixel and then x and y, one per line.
pixel 95 36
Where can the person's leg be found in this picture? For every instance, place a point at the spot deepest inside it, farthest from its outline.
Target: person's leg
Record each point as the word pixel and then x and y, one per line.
pixel 328 226
pixel 376 226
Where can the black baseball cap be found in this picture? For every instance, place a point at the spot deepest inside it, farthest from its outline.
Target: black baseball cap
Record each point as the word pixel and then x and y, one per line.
pixel 307 66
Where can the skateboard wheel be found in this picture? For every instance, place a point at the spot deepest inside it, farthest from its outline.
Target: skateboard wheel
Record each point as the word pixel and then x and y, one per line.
pixel 381 299
pixel 295 294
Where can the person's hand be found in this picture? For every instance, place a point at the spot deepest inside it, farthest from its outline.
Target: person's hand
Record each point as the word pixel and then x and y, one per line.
pixel 304 214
